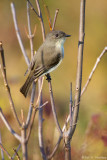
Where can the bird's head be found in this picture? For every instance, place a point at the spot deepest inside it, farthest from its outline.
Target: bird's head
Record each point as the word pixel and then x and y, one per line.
pixel 57 37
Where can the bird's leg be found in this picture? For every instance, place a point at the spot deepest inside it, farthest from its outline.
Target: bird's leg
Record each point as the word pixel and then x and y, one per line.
pixel 48 77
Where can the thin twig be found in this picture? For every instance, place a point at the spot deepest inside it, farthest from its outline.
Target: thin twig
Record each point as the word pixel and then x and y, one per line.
pixel 35 109
pixel 53 105
pixel 31 36
pixel 54 22
pixel 23 142
pixel 2 154
pixel 55 148
pixel 8 126
pixel 93 70
pixel 3 69
pixel 31 105
pixel 47 15
pixel 19 146
pixel 40 90
pixel 33 8
pixel 18 158
pixel 1 146
pixel 18 34
pixel 70 105
pixel 41 19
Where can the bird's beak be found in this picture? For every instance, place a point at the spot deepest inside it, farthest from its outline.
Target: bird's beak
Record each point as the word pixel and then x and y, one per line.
pixel 67 35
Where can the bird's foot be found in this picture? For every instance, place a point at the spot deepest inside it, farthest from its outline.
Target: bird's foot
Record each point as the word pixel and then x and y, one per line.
pixel 48 77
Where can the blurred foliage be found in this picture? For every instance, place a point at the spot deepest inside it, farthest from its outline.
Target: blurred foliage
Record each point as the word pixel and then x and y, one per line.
pixel 90 138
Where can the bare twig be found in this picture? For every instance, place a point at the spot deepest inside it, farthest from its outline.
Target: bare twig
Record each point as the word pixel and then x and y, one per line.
pixel 55 148
pixel 35 109
pixel 31 36
pixel 18 34
pixel 31 105
pixel 53 105
pixel 8 126
pixel 3 69
pixel 23 142
pixel 1 146
pixel 16 151
pixel 18 158
pixel 93 70
pixel 41 19
pixel 70 106
pixel 33 8
pixel 79 64
pixel 54 22
pixel 47 14
pixel 2 154
pixel 40 125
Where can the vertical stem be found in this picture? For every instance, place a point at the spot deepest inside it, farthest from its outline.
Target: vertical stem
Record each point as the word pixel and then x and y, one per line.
pixel 24 143
pixel 68 152
pixel 40 126
pixel 79 64
pixel 2 154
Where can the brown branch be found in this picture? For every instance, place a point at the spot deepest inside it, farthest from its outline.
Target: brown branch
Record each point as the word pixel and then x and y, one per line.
pixel 1 146
pixel 93 70
pixel 47 12
pixel 3 69
pixel 16 151
pixel 18 158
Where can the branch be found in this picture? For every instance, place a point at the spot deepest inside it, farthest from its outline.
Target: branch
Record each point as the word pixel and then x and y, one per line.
pixel 53 105
pixel 33 8
pixel 16 154
pixel 18 34
pixel 41 19
pixel 8 126
pixel 55 148
pixel 54 22
pixel 2 154
pixel 31 36
pixel 16 151
pixel 79 65
pixel 24 142
pixel 3 69
pixel 93 70
pixel 35 109
pixel 1 146
pixel 31 105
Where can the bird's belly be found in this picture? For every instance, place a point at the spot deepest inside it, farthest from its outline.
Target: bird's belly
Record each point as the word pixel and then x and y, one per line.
pixel 53 68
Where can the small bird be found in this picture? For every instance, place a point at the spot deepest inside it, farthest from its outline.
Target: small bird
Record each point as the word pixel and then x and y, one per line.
pixel 47 58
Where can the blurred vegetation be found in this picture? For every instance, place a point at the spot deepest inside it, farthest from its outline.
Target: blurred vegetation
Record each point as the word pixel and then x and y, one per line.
pixel 90 138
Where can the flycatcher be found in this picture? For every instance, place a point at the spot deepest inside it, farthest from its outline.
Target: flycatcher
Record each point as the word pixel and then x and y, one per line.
pixel 47 58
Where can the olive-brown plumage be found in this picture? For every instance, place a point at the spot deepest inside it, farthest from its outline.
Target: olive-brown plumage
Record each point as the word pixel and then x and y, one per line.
pixel 47 58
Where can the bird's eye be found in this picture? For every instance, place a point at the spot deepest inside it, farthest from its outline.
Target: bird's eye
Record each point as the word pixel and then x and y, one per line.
pixel 57 35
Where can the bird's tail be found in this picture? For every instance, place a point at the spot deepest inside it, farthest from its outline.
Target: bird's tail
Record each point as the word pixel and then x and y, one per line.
pixel 25 88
